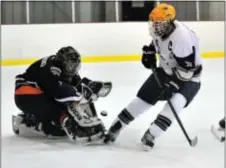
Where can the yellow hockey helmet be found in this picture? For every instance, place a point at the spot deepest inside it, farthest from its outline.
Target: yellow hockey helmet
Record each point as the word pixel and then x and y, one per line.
pixel 160 19
pixel 162 12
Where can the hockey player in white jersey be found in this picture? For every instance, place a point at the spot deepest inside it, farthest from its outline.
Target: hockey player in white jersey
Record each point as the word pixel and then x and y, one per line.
pixel 179 70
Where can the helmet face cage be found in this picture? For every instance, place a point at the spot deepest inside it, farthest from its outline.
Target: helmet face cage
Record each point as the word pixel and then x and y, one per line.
pixel 161 16
pixel 159 28
pixel 72 66
pixel 70 61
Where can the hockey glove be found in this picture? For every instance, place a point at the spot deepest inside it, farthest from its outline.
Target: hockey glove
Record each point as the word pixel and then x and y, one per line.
pixel 169 89
pixel 149 56
pixel 100 89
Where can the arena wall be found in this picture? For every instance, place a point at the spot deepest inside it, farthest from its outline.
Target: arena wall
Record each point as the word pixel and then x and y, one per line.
pixel 97 42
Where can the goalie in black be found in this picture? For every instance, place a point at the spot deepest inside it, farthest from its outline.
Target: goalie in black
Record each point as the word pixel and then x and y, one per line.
pixel 56 101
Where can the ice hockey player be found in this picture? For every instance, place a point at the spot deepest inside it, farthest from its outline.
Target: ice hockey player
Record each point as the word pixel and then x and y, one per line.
pixel 179 71
pixel 55 101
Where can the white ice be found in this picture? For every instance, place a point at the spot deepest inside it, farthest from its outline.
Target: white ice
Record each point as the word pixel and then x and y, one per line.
pixel 171 150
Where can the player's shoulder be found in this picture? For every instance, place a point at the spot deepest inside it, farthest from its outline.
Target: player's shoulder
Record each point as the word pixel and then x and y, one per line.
pixel 49 64
pixel 182 33
pixel 183 40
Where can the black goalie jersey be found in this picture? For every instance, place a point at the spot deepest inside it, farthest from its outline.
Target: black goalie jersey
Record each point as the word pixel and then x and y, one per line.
pixel 46 77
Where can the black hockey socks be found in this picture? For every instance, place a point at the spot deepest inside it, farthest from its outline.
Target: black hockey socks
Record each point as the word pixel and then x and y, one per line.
pixel 125 116
pixel 162 122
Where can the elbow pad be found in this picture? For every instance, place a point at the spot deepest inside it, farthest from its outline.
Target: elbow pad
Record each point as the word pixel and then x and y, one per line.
pixel 183 74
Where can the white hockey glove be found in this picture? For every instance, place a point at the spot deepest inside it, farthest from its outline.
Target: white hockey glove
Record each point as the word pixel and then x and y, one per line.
pixel 94 90
pixel 100 89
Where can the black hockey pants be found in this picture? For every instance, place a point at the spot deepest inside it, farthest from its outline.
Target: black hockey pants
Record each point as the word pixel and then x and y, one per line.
pixel 150 91
pixel 32 100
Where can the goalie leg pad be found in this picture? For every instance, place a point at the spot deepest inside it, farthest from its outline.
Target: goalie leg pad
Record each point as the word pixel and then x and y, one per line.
pixel 81 116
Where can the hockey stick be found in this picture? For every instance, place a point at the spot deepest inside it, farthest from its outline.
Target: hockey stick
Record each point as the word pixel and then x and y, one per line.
pixel 192 142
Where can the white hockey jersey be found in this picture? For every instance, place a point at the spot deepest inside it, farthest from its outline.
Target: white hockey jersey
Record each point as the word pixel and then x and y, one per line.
pixel 180 52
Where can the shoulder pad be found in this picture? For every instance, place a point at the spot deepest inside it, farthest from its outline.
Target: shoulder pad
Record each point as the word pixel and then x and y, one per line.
pixel 55 70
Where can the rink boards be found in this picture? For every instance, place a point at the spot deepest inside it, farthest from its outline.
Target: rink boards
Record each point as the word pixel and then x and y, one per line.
pixel 97 42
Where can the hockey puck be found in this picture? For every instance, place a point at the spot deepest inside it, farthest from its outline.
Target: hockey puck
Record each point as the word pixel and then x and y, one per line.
pixel 103 113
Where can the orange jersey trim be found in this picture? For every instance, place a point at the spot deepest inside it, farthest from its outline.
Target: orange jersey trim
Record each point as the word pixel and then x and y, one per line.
pixel 28 90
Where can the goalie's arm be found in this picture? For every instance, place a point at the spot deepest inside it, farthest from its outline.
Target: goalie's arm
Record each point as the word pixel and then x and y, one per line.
pixel 52 84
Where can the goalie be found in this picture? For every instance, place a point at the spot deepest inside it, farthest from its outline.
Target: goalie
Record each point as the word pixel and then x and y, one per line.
pixel 56 101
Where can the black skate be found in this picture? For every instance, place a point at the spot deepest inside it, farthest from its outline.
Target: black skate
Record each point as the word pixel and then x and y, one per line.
pixel 147 141
pixel 113 132
pixel 26 120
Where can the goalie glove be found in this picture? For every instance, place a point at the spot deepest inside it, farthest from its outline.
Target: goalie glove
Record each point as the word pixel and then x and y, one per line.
pixel 92 90
pixel 100 89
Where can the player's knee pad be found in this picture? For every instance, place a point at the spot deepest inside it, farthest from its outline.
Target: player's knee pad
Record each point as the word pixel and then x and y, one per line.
pixel 178 101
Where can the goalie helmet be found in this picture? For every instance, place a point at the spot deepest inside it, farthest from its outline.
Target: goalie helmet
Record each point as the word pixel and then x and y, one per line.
pixel 69 60
pixel 160 19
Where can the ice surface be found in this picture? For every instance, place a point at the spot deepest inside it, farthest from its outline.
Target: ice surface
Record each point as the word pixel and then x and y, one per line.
pixel 172 149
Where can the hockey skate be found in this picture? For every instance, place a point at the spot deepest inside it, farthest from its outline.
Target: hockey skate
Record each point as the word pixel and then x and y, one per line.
pixel 27 122
pixel 113 132
pixel 218 132
pixel 147 141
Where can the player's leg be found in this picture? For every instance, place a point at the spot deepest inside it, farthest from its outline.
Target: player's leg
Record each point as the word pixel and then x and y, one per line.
pixel 180 100
pixel 147 96
pixel 73 126
pixel 40 114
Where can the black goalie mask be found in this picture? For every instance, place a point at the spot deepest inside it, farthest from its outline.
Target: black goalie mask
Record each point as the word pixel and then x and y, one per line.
pixel 69 60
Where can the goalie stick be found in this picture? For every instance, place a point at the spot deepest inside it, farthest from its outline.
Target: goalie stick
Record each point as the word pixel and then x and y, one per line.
pixel 216 134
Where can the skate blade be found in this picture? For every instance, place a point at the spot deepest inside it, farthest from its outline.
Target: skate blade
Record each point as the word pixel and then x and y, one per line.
pixel 94 143
pixel 146 148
